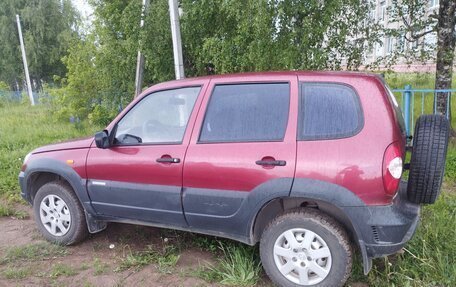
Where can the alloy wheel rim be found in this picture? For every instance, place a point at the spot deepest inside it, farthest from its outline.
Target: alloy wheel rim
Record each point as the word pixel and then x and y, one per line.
pixel 55 215
pixel 302 256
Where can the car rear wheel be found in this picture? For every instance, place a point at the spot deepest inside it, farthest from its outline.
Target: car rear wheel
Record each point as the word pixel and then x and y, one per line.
pixel 59 214
pixel 427 164
pixel 306 248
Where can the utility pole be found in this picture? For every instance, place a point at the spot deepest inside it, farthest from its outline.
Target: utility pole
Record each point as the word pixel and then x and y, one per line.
pixel 177 41
pixel 140 58
pixel 24 59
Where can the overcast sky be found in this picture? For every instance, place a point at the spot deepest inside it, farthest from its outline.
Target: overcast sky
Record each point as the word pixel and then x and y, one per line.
pixel 82 5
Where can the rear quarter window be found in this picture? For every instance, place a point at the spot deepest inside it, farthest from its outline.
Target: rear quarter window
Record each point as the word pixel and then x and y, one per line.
pixel 328 111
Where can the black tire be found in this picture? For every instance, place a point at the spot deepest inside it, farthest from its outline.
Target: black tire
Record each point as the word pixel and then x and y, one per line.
pixel 322 225
pixel 76 228
pixel 427 165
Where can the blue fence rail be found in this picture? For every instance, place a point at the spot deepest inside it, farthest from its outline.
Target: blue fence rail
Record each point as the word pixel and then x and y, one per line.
pixel 17 96
pixel 416 102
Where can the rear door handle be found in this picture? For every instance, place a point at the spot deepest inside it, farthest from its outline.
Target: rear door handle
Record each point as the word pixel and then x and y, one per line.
pixel 271 162
pixel 168 160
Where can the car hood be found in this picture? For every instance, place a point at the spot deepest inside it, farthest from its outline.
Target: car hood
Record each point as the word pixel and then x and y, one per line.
pixel 72 144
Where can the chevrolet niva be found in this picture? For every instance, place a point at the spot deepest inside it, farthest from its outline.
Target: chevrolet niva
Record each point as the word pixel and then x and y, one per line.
pixel 307 164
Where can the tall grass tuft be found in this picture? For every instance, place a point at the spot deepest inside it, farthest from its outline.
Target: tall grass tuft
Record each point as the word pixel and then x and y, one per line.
pixel 239 265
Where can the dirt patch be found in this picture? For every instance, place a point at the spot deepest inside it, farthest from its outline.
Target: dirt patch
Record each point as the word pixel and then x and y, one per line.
pixel 96 261
pixel 16 232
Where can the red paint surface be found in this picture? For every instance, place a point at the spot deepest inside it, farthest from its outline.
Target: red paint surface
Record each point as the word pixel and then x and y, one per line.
pixel 72 144
pixel 77 155
pixel 354 163
pixel 137 164
pixel 231 166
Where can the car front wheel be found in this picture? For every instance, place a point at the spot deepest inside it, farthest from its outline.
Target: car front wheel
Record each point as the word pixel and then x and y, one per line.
pixel 59 214
pixel 306 248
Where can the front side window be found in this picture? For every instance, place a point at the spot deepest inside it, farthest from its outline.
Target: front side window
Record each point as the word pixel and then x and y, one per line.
pixel 160 117
pixel 328 111
pixel 247 113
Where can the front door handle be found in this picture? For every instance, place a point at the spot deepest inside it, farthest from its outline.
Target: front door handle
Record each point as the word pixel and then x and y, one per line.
pixel 168 160
pixel 271 162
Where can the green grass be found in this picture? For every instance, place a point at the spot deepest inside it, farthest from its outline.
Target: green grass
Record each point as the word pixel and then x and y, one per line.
pixel 99 267
pixel 22 129
pixel 17 272
pixel 6 209
pixel 32 252
pixel 165 259
pixel 239 265
pixel 416 80
pixel 428 260
pixel 61 269
pixel 450 168
pixel 207 243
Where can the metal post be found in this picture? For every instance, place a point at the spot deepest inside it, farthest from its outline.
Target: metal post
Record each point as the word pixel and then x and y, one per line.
pixel 177 41
pixel 407 95
pixel 24 59
pixel 140 58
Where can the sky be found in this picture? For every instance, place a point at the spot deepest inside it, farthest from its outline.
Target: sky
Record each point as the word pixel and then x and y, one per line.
pixel 84 8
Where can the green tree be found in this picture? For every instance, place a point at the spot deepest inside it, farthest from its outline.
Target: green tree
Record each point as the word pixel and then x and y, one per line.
pixel 262 35
pixel 101 64
pixel 48 28
pixel 415 22
pixel 157 44
pixel 234 36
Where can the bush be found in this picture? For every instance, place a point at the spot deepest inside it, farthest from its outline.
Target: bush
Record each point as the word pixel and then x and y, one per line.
pixel 101 115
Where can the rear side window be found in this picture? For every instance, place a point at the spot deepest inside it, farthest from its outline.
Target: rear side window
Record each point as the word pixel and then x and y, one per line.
pixel 328 111
pixel 246 113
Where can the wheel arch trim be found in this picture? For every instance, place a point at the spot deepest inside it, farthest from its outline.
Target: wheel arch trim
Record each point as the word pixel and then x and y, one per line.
pixel 332 199
pixel 48 165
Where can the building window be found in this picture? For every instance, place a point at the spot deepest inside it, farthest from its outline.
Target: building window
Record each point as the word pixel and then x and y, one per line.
pixel 378 49
pixel 372 14
pixel 430 41
pixel 415 44
pixel 389 45
pixel 433 3
pixel 383 11
pixel 400 43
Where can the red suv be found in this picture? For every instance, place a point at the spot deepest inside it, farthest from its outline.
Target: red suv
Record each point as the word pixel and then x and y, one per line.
pixel 308 164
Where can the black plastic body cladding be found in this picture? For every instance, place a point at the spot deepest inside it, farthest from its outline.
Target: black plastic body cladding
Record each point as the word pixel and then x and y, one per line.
pixel 379 230
pixel 61 169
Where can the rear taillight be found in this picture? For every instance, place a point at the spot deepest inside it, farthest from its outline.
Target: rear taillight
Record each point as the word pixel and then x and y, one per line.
pixel 392 168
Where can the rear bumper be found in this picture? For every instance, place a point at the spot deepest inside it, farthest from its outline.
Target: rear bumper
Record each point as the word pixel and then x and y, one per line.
pixel 384 230
pixel 380 249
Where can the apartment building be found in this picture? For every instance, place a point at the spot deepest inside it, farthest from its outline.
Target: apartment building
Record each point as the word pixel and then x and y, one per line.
pixel 389 44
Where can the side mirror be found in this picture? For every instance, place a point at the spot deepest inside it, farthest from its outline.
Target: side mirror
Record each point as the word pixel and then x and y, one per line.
pixel 102 139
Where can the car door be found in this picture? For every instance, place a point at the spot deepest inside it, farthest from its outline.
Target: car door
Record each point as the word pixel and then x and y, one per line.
pixel 242 151
pixel 140 176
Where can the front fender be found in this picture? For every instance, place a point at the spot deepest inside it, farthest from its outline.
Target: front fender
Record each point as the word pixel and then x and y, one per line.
pixel 49 165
